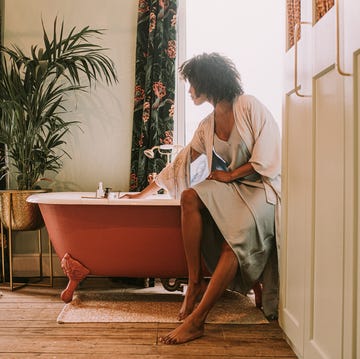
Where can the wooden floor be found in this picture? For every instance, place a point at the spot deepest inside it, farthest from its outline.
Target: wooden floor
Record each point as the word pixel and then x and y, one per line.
pixel 28 329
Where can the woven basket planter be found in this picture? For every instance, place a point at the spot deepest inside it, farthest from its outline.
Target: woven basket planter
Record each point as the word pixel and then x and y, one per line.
pixel 24 216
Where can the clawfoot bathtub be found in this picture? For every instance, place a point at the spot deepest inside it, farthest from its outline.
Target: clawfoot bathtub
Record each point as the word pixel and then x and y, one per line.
pixel 113 237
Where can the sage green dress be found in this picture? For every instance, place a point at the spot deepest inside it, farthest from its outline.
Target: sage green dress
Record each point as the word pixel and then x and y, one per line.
pixel 239 213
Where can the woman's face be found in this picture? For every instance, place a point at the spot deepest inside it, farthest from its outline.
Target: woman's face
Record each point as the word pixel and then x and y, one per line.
pixel 198 100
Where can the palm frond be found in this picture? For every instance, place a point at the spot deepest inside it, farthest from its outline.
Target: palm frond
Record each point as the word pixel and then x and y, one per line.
pixel 33 91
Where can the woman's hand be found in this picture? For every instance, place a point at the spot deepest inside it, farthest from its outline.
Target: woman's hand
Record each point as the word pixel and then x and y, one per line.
pixel 240 172
pixel 131 196
pixel 146 192
pixel 221 176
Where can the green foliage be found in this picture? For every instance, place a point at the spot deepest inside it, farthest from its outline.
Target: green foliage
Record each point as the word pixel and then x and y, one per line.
pixel 33 90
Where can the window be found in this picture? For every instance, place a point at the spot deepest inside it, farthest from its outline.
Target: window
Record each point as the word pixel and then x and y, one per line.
pixel 250 32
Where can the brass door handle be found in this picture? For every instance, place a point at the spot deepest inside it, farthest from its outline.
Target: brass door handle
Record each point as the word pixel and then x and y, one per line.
pixel 337 22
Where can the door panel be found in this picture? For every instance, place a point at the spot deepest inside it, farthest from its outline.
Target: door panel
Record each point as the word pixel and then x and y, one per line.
pixel 326 281
pixel 321 250
pixel 296 193
pixel 356 302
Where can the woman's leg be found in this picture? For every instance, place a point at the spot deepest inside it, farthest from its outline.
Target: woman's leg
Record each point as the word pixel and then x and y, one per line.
pixel 191 226
pixel 193 325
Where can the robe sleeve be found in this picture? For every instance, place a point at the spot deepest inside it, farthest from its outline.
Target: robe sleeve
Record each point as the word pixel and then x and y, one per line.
pixel 266 149
pixel 198 142
pixel 177 176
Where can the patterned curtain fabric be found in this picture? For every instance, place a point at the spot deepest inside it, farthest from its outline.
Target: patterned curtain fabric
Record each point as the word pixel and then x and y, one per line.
pixel 155 73
pixel 322 7
pixel 293 9
pixel 2 147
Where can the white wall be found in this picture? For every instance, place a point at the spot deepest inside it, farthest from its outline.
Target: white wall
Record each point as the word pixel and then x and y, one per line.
pixel 252 34
pixel 101 151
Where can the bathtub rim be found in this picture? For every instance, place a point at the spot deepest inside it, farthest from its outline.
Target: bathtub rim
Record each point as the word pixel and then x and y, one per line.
pixel 88 198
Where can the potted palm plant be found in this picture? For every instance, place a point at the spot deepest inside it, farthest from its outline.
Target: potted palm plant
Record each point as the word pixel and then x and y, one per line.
pixel 33 90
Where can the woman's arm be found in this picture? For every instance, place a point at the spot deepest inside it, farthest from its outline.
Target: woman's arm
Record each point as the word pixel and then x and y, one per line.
pixel 153 187
pixel 147 191
pixel 193 155
pixel 223 176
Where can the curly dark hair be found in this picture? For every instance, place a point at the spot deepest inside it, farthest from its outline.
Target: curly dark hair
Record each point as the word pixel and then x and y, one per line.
pixel 213 75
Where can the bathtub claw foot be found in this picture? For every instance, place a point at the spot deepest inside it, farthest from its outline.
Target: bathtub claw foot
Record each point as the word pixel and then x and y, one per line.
pixel 177 284
pixel 76 272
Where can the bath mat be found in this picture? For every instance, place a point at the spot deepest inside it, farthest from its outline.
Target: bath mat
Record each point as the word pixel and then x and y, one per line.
pixel 151 306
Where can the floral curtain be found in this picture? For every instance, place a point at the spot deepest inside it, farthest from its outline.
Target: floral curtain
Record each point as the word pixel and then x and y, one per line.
pixel 2 147
pixel 293 9
pixel 4 265
pixel 155 72
pixel 322 7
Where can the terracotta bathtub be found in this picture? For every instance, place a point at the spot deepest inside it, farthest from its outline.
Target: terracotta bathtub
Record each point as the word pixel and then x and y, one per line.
pixel 113 237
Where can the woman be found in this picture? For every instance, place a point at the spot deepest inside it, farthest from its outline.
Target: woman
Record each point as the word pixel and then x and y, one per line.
pixel 228 218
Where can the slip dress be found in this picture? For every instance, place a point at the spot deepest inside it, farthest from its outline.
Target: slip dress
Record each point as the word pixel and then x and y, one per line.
pixel 238 213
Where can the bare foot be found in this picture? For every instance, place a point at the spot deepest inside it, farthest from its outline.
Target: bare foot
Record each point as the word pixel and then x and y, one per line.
pixel 184 333
pixel 194 292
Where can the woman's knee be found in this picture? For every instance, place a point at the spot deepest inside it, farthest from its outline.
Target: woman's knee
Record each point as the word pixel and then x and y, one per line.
pixel 190 199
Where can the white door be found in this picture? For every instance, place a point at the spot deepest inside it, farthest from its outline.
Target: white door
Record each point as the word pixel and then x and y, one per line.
pixel 320 219
pixel 296 180
pixel 349 63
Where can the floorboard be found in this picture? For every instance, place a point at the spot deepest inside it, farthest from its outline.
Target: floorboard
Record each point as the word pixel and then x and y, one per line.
pixel 28 329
